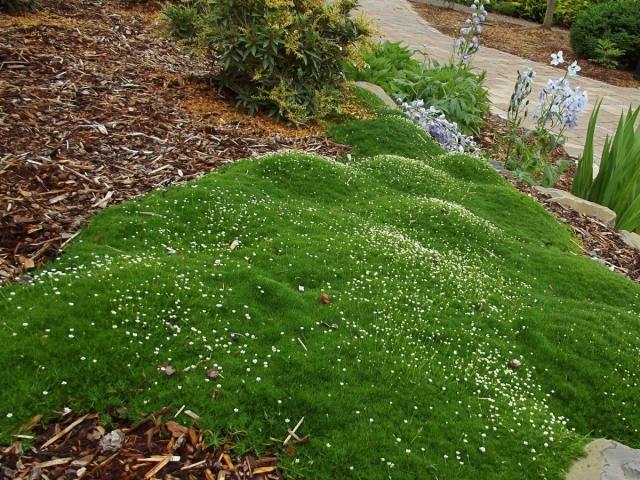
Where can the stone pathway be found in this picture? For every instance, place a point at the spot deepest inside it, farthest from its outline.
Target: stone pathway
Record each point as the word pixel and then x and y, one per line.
pixel 396 20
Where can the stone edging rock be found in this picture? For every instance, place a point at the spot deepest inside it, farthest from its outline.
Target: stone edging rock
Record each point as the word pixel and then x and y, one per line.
pixel 580 205
pixel 379 92
pixel 606 460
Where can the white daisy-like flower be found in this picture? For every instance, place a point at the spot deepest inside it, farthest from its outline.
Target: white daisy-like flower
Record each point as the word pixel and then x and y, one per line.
pixel 557 58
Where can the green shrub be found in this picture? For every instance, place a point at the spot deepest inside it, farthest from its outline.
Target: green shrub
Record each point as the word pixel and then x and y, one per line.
pixel 513 9
pixel 607 54
pixel 383 64
pixel 183 16
pixel 567 10
pixel 617 184
pixel 281 56
pixel 17 6
pixel 455 90
pixel 533 9
pixel 617 21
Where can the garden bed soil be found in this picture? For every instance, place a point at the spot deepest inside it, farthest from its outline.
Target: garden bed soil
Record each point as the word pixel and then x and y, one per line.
pixel 598 241
pixel 533 43
pixel 157 447
pixel 98 106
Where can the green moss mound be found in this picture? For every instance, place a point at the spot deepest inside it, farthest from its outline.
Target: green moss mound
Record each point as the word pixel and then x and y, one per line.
pixel 439 273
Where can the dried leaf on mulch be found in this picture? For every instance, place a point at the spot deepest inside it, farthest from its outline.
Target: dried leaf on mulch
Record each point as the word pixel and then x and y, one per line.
pixel 97 106
pixel 74 448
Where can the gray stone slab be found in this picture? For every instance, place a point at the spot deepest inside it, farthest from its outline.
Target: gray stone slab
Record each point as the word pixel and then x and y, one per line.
pixel 621 463
pixel 379 92
pixel 607 460
pixel 630 238
pixel 580 205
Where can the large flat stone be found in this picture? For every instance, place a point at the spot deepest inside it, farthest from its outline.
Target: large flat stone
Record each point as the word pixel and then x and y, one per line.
pixel 607 460
pixel 379 92
pixel 580 205
pixel 551 192
pixel 591 466
pixel 621 463
pixel 630 238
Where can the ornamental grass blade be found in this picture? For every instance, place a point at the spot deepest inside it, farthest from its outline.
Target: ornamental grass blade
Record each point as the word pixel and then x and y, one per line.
pixel 627 179
pixel 630 219
pixel 607 164
pixel 624 165
pixel 584 174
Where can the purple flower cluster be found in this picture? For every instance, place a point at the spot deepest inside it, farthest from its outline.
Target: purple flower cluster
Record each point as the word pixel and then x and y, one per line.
pixel 434 122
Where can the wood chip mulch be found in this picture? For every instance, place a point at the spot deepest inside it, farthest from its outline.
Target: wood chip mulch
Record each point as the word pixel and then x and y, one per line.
pixel 532 43
pixel 155 448
pixel 98 106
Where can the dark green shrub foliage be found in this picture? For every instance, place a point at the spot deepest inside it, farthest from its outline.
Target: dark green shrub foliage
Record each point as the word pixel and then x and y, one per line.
pixel 455 90
pixel 17 6
pixel 513 9
pixel 606 53
pixel 617 21
pixel 383 64
pixel 533 9
pixel 282 56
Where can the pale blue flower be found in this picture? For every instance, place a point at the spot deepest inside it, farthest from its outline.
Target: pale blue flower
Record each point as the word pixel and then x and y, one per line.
pixel 573 69
pixel 468 42
pixel 557 58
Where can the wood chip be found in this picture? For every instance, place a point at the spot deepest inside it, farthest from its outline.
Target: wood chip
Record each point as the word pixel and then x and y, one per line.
pixel 64 432
pixel 94 137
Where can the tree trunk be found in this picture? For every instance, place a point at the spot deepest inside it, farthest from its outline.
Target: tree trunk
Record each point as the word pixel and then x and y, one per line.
pixel 636 73
pixel 548 16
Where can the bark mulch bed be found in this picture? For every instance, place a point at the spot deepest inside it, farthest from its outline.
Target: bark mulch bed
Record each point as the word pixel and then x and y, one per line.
pixel 155 448
pixel 98 106
pixel 598 241
pixel 532 43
